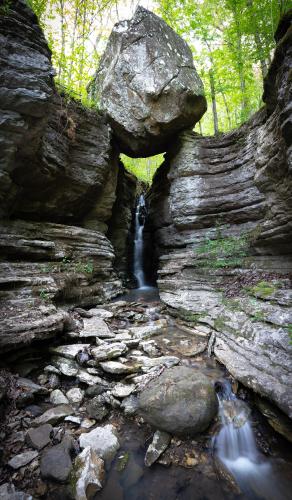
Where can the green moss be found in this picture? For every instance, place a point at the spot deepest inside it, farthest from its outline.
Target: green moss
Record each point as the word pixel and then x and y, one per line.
pixel 122 461
pixel 44 295
pixel 190 316
pixel 223 252
pixel 73 478
pixel 263 289
pixel 220 323
pixel 5 8
pixel 258 315
pixel 232 304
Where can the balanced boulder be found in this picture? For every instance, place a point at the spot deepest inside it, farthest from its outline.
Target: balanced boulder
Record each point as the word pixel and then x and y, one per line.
pixel 147 84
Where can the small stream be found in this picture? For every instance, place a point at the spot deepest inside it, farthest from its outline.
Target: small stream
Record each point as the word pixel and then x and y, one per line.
pixel 140 216
pixel 224 462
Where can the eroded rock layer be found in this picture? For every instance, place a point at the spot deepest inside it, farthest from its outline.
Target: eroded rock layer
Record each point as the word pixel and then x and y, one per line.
pixel 59 177
pixel 221 213
pixel 147 84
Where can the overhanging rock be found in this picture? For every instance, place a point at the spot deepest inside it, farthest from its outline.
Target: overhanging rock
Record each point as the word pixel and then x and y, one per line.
pixel 148 85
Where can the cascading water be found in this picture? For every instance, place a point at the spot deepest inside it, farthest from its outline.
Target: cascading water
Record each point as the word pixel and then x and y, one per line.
pixel 235 446
pixel 139 243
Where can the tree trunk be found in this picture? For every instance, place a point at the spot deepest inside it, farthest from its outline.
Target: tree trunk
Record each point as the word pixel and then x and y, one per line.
pixel 73 44
pixel 63 41
pixel 213 97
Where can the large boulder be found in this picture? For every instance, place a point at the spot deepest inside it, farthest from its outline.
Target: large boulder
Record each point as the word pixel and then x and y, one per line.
pixel 181 401
pixel 147 84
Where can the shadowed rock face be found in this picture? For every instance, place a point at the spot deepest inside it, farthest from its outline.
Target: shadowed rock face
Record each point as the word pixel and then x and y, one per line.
pixel 148 85
pixel 58 184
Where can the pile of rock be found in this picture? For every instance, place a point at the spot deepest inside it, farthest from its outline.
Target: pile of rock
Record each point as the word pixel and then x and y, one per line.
pixel 70 416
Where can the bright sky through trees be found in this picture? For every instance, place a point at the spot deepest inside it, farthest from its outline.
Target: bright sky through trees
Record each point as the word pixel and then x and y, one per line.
pixel 231 40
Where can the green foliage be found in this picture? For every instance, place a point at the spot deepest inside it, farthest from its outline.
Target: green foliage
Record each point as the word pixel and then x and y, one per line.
pixel 289 328
pixel 223 252
pixel 232 43
pixel 38 6
pixel 122 461
pixel 232 304
pixel 258 315
pixel 143 168
pixel 231 40
pixel 263 289
pixel 190 316
pixel 44 295
pixel 67 265
pixel 220 323
pixel 5 8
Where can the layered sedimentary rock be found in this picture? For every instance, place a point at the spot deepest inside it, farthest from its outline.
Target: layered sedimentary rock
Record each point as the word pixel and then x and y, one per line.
pixel 121 221
pixel 25 93
pixel 147 84
pixel 221 213
pixel 59 175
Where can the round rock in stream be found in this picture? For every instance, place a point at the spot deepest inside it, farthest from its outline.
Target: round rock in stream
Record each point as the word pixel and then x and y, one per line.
pixel 181 401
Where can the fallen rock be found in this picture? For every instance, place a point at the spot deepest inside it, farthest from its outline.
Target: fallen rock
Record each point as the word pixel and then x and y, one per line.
pixel 22 459
pixel 109 351
pixel 146 362
pixel 53 415
pixel 103 440
pixel 73 419
pixel 95 327
pixel 130 405
pixel 123 390
pixel 68 351
pixel 88 474
pixel 159 444
pixel 75 395
pixel 87 423
pixel 96 409
pixel 101 313
pixel 144 332
pixel 58 398
pixel 117 368
pixel 27 390
pixel 181 401
pixel 96 390
pixel 148 85
pixel 54 380
pixel 39 437
pixel 56 462
pixel 149 347
pixel 8 492
pixel 87 378
pixel 67 367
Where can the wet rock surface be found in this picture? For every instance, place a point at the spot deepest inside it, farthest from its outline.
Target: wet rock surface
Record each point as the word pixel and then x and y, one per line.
pixel 56 462
pixel 64 446
pixel 148 85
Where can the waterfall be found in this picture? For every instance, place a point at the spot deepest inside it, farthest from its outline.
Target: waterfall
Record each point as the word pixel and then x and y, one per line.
pixel 139 243
pixel 235 446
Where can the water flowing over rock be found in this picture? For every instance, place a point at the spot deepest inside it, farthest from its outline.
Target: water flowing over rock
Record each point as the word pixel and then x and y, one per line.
pixel 221 211
pixel 148 85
